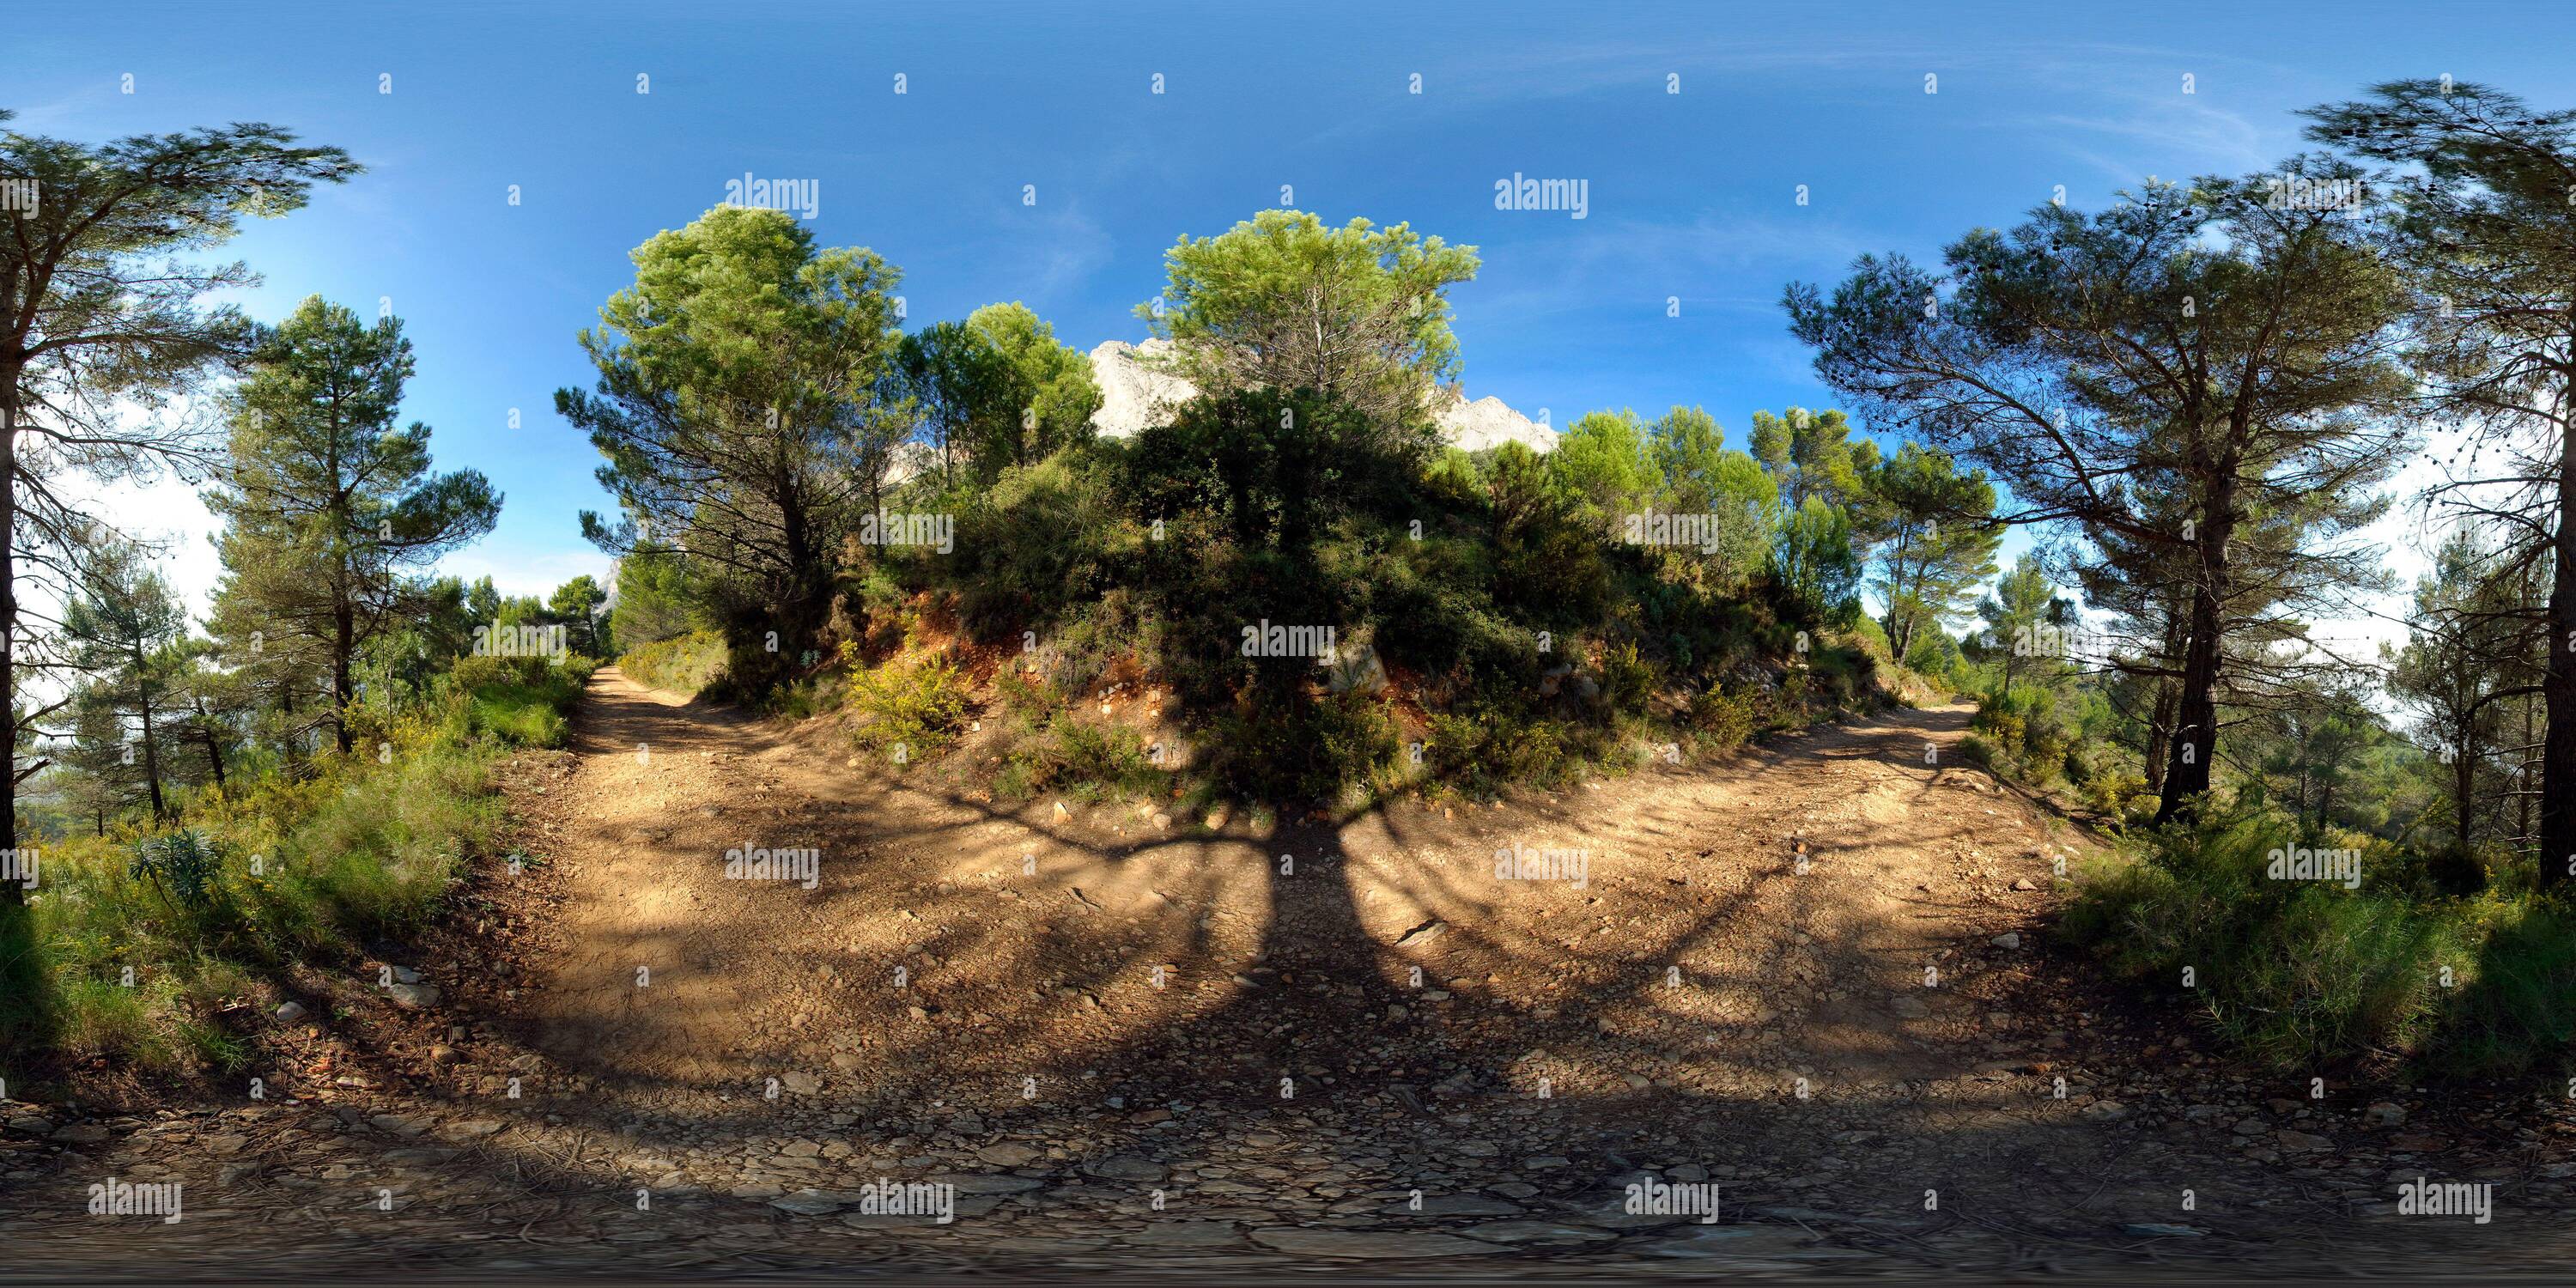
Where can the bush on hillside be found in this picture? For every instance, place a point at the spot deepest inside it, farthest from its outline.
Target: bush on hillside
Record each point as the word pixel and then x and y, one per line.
pixel 2027 740
pixel 1047 538
pixel 1470 575
pixel 1082 760
pixel 1303 749
pixel 683 664
pixel 916 706
pixel 1725 721
pixel 2303 973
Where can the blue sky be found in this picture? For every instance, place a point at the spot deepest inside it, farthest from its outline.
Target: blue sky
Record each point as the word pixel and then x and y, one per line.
pixel 1691 194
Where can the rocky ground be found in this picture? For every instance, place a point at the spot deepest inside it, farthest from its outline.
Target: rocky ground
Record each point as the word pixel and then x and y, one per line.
pixel 1816 977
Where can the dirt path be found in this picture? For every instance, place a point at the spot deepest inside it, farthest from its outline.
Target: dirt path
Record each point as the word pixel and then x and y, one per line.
pixel 1812 975
pixel 1034 941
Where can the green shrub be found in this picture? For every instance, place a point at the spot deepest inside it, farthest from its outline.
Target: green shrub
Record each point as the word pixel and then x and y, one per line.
pixel 1486 750
pixel 682 664
pixel 1016 780
pixel 520 716
pixel 28 1005
pixel 1843 677
pixel 2301 972
pixel 520 700
pixel 1046 537
pixel 1723 721
pixel 1027 696
pixel 182 865
pixel 1084 760
pixel 1304 749
pixel 1082 652
pixel 1627 682
pixel 140 1024
pixel 2454 870
pixel 2103 779
pixel 2028 740
pixel 382 856
pixel 1092 753
pixel 917 706
pixel 277 868
pixel 2517 1011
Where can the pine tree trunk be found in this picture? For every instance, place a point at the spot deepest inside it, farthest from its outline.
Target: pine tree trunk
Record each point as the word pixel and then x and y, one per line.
pixel 344 642
pixel 2160 721
pixel 2463 779
pixel 2195 739
pixel 151 741
pixel 11 892
pixel 2160 733
pixel 2522 776
pixel 294 749
pixel 214 748
pixel 152 766
pixel 2558 684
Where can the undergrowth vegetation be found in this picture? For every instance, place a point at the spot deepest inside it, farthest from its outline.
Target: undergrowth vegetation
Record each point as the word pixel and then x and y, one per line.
pixel 912 705
pixel 1458 658
pixel 2309 971
pixel 137 940
pixel 683 664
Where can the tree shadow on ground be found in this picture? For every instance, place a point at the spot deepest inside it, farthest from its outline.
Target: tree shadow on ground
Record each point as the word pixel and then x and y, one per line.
pixel 1661 1014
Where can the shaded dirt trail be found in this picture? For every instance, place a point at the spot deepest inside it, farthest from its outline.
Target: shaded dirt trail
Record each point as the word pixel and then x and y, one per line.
pixel 1812 975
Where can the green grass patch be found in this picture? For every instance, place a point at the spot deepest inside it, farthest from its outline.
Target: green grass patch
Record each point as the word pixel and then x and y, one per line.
pixel 1086 762
pixel 133 942
pixel 2302 973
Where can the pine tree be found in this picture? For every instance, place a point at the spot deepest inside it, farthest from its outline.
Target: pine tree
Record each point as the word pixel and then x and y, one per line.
pixel 2487 231
pixel 2196 341
pixel 326 502
pixel 740 408
pixel 99 324
pixel 122 631
pixel 1934 537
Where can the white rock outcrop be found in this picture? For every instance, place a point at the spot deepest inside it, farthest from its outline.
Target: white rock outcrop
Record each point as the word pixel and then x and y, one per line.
pixel 1134 395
